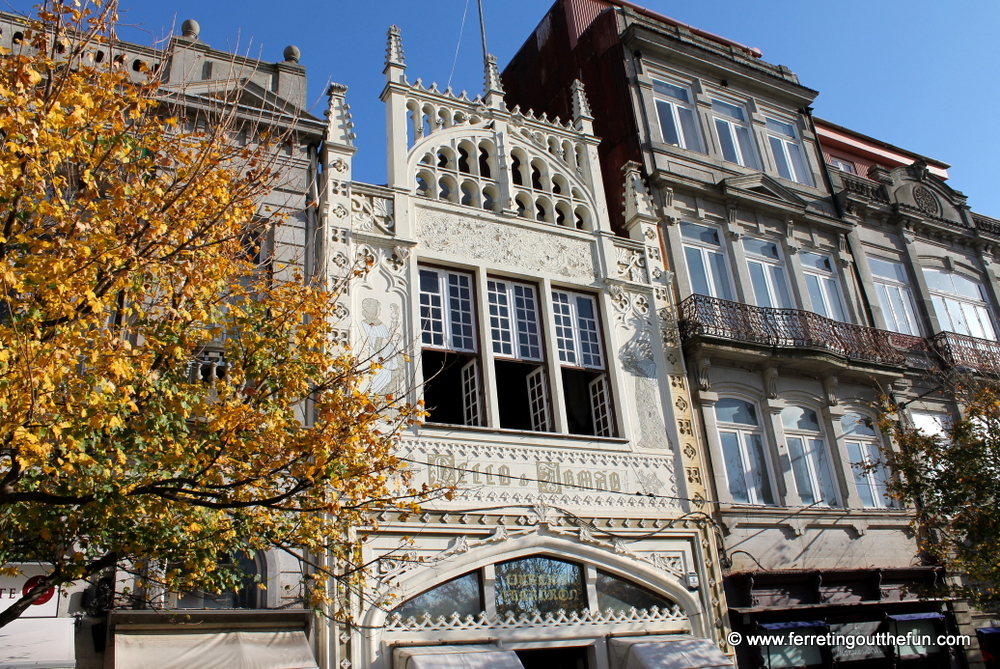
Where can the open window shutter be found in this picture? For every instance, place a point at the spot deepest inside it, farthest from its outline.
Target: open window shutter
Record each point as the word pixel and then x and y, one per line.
pixel 538 400
pixel 471 402
pixel 600 405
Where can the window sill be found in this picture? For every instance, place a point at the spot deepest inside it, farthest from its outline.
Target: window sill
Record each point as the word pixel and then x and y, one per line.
pixel 438 428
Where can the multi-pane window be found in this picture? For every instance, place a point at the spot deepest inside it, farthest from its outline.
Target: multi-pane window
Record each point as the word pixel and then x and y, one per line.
pixel 453 379
pixel 706 262
pixel 789 158
pixel 767 274
pixel 824 289
pixel 959 303
pixel 450 361
pixel 515 332
pixel 735 140
pixel 585 383
pixel 894 296
pixel 871 478
pixel 843 165
pixel 742 443
pixel 808 453
pixel 677 117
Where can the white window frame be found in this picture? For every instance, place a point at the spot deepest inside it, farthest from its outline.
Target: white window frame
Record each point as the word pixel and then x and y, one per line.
pixel 745 153
pixel 828 286
pixel 718 286
pixel 871 476
pixel 575 332
pixel 961 313
pixel 449 305
pixel 671 107
pixel 815 455
pixel 515 328
pixel 750 463
pixel 895 297
pixel 783 146
pixel 779 295
pixel 843 165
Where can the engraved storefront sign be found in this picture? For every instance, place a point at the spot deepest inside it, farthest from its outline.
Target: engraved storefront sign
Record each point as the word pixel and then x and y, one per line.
pixel 544 476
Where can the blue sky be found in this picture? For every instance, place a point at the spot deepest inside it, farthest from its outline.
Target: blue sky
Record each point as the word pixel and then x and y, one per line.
pixel 921 74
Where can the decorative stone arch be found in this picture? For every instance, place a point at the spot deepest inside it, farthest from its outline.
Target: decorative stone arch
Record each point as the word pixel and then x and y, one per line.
pixel 546 543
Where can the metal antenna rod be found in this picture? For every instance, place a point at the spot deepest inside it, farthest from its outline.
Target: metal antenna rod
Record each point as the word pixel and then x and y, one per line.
pixel 482 31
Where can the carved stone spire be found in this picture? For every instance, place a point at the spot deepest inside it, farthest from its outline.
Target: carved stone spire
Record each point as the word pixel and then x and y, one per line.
pixel 638 205
pixel 394 49
pixel 581 108
pixel 493 89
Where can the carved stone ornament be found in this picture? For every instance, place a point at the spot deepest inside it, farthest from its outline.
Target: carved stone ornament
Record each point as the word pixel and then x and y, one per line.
pixel 509 247
pixel 631 265
pixel 367 212
pixel 926 201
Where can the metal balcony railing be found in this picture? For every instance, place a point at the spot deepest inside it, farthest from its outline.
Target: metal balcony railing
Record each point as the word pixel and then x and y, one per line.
pixel 702 315
pixel 957 350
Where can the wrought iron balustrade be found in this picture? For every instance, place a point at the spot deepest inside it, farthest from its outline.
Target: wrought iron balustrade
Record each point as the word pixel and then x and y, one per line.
pixel 702 315
pixel 958 350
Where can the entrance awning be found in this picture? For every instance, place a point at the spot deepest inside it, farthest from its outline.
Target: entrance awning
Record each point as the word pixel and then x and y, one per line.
pixel 670 651
pixel 233 649
pixel 38 643
pixel 454 657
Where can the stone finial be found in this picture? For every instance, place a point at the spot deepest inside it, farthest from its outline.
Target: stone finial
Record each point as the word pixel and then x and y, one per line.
pixel 492 79
pixel 394 49
pixel 581 108
pixel 638 205
pixel 191 29
pixel 292 54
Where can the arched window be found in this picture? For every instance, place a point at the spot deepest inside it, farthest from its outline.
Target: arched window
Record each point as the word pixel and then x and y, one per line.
pixel 809 456
pixel 743 452
pixel 462 595
pixel 871 477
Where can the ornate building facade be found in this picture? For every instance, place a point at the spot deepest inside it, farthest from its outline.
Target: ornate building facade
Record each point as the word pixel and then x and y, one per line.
pixel 542 345
pixel 805 291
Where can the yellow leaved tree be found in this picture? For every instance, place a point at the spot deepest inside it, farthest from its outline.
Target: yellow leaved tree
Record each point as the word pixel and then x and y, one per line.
pixel 165 397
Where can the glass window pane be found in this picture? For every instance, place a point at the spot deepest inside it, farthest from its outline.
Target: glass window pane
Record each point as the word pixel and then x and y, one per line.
pixel 938 279
pixel 780 286
pixel 758 469
pixel 971 314
pixel 590 337
pixel 816 295
pixel 966 287
pixel 431 314
pixel 667 125
pixel 676 92
pixel 690 129
pixel 799 164
pixel 835 302
pixel 735 411
pixel 462 595
pixel 902 306
pixel 862 478
pixel 880 476
pixel 746 148
pixel 887 269
pixel 821 465
pixel 856 424
pixel 526 316
pixel 816 261
pixel 732 111
pixel 539 584
pixel 780 162
pixel 500 329
pixel 700 233
pixel 798 418
pixel 621 596
pixel 761 248
pixel 460 304
pixel 720 277
pixel 726 141
pixel 781 128
pixel 759 280
pixel 734 467
pixel 562 313
pixel 696 271
pixel 800 470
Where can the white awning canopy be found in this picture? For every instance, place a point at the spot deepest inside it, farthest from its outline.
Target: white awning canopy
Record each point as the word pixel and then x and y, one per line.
pixel 455 657
pixel 38 643
pixel 233 649
pixel 669 651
